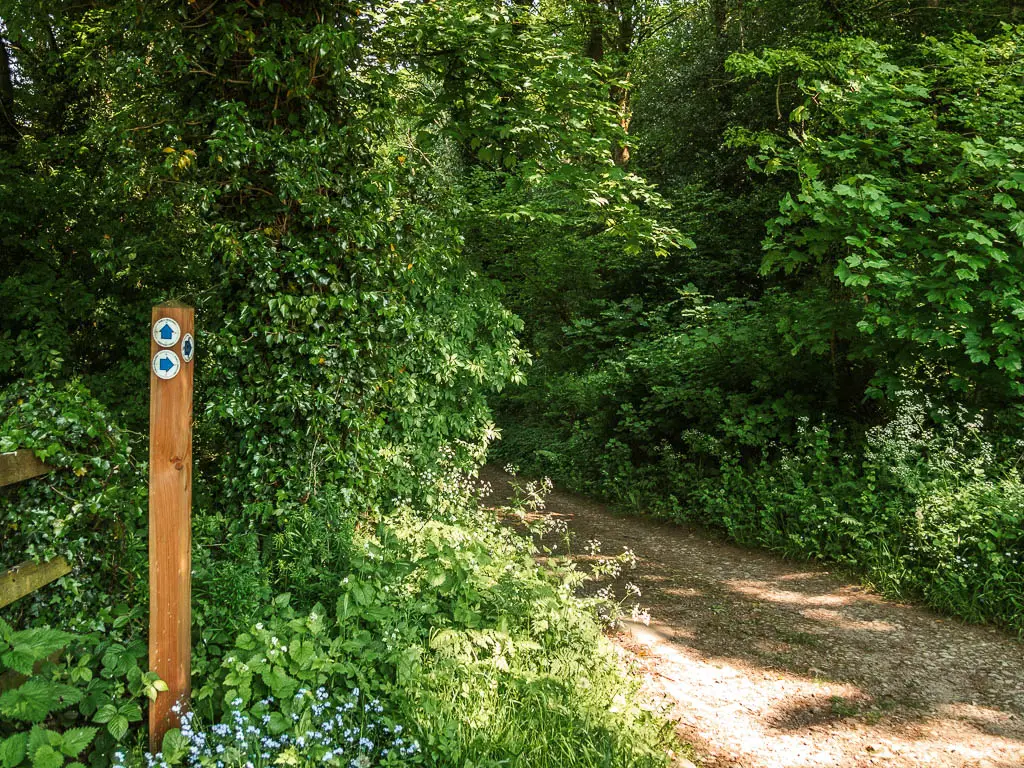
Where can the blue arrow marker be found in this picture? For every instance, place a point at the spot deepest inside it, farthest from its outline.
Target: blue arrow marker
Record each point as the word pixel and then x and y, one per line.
pixel 186 348
pixel 167 333
pixel 166 364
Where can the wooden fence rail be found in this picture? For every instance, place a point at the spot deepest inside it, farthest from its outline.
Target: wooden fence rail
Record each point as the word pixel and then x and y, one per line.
pixel 20 465
pixel 24 579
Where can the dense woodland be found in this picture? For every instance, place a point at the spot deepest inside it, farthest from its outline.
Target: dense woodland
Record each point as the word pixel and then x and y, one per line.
pixel 754 263
pixel 831 365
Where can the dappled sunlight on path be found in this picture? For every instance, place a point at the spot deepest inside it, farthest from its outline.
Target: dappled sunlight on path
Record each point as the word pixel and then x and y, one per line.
pixel 771 664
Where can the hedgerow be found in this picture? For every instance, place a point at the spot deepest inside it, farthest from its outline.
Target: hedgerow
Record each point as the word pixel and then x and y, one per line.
pixel 294 171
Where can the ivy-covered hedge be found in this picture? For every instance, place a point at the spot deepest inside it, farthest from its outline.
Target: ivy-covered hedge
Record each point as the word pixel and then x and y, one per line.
pixel 296 172
pixel 246 162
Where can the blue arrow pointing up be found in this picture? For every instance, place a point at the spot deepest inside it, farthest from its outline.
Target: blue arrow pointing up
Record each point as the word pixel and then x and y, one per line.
pixel 186 348
pixel 166 364
pixel 166 333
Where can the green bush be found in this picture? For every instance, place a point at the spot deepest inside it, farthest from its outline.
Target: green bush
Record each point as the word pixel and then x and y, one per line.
pixel 703 419
pixel 295 172
pixel 447 627
pixel 446 619
pixel 819 411
pixel 484 657
pixel 90 509
pixel 910 193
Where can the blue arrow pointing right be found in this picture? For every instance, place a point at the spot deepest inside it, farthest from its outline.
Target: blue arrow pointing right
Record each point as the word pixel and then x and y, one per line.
pixel 166 333
pixel 166 364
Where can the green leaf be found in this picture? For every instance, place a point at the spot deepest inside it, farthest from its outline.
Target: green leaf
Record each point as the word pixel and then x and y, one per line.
pixel 74 740
pixel 278 723
pixel 18 660
pixel 42 737
pixel 118 727
pixel 174 746
pixel 105 714
pixel 130 710
pixel 280 684
pixel 41 642
pixel 32 645
pixel 33 700
pixel 13 750
pixel 47 757
pixel 1004 200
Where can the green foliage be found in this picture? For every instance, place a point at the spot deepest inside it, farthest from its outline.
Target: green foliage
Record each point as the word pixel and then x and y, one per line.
pixel 90 509
pixel 314 209
pixel 483 656
pixel 868 249
pixel 311 728
pixel 312 178
pixel 343 341
pixel 65 694
pixel 910 180
pixel 335 188
pixel 42 748
pixel 928 511
pixel 706 420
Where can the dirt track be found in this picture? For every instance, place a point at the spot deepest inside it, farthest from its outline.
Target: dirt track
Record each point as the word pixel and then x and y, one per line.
pixel 771 664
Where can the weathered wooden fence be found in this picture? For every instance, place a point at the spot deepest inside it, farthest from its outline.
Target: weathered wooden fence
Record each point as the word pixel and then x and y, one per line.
pixel 24 579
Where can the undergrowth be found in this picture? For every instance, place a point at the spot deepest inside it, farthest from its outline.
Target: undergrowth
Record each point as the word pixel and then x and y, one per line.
pixel 928 504
pixel 441 631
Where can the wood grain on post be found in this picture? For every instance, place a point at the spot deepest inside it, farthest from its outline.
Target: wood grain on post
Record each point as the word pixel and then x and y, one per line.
pixel 170 528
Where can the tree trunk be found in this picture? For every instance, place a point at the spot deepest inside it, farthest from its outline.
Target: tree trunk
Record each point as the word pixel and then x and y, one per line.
pixel 8 126
pixel 621 95
pixel 594 19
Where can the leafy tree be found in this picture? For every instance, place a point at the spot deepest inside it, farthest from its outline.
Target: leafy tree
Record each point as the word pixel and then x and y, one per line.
pixel 856 279
pixel 910 193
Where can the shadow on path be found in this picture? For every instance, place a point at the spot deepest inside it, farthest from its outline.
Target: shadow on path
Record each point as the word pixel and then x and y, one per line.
pixel 773 664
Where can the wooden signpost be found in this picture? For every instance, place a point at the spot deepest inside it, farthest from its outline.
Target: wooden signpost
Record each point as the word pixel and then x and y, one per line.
pixel 172 347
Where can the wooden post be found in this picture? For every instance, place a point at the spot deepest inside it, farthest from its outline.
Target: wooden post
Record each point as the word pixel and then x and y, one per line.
pixel 170 504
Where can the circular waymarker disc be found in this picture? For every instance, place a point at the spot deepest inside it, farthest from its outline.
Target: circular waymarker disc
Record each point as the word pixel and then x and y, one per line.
pixel 166 332
pixel 188 348
pixel 166 364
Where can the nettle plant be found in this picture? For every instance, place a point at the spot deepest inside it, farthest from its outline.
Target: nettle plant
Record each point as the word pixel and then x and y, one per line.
pixel 70 696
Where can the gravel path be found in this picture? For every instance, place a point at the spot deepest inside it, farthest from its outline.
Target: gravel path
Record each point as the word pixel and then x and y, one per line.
pixel 773 664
